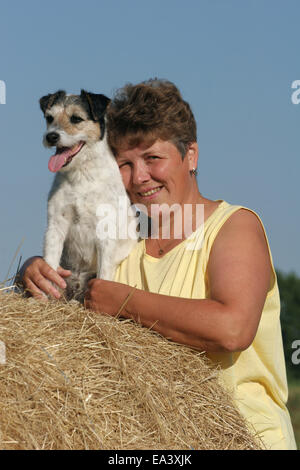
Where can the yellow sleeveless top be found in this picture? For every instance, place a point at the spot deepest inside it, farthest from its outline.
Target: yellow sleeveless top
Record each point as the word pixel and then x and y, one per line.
pixel 256 376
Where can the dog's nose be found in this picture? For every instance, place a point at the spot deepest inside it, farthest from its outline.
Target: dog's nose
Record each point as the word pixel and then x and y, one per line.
pixel 52 138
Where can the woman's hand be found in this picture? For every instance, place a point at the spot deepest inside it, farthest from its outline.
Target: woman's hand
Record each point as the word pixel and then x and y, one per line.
pixel 240 275
pixel 39 279
pixel 106 296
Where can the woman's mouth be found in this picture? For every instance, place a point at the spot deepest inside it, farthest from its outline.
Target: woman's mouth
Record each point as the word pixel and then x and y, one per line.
pixel 150 193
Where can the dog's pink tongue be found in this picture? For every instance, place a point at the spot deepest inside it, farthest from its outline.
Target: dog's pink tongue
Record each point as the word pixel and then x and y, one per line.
pixel 58 160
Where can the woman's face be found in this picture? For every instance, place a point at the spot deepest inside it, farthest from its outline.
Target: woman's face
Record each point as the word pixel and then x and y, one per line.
pixel 157 174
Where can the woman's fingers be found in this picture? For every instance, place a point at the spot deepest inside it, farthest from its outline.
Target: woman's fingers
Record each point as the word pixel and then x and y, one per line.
pixel 37 284
pixel 63 272
pixel 50 274
pixel 35 291
pixel 40 278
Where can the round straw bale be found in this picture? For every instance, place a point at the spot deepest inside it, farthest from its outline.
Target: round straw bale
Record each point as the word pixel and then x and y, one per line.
pixel 73 379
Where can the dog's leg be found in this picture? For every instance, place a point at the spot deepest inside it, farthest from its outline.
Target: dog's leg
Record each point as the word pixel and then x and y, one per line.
pixel 105 256
pixel 54 240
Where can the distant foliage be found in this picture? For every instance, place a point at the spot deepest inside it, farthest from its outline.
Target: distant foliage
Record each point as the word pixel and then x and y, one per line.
pixel 289 288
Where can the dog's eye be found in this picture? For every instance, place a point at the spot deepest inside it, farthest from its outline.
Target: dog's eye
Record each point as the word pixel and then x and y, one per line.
pixel 49 119
pixel 75 119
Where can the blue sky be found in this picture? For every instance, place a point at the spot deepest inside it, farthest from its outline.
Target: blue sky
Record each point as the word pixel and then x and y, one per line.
pixel 233 60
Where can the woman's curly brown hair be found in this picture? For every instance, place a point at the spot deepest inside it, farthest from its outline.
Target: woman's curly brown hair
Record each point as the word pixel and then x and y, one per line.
pixel 150 110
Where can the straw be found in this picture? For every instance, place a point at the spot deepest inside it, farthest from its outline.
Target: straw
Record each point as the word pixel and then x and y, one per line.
pixel 74 379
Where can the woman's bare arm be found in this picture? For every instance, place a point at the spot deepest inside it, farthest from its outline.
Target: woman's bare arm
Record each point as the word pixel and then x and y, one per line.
pixel 239 272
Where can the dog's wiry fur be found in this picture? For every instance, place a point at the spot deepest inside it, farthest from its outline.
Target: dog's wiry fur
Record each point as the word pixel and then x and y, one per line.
pixel 89 179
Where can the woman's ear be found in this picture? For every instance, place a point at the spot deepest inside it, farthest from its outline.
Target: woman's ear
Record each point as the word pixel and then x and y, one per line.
pixel 192 154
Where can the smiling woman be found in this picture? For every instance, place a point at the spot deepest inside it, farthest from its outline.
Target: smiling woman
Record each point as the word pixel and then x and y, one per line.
pixel 155 174
pixel 214 289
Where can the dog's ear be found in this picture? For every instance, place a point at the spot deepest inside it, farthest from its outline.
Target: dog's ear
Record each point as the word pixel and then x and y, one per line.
pixel 96 105
pixel 49 100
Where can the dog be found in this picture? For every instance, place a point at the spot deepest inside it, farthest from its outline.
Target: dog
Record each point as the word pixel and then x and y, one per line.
pixel 86 176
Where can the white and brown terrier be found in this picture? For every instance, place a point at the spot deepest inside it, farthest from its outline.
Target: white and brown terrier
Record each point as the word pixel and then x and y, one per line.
pixel 87 176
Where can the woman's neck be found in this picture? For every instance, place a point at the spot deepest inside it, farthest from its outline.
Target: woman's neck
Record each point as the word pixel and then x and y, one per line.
pixel 180 220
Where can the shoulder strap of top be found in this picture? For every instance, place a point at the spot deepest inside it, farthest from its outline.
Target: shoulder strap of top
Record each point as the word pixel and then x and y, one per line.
pixel 215 222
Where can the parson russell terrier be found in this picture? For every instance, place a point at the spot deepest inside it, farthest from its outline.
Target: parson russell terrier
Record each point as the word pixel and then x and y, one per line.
pixel 86 176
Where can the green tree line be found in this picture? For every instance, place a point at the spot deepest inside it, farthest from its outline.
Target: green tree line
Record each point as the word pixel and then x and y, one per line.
pixel 289 289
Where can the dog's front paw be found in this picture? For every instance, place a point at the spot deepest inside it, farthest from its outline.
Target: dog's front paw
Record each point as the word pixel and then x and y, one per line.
pixel 77 285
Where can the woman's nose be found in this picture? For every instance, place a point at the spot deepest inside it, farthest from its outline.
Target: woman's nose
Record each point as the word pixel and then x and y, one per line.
pixel 140 173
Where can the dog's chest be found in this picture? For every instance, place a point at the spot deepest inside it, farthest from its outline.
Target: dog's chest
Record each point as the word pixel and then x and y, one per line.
pixel 81 213
pixel 80 242
pixel 76 209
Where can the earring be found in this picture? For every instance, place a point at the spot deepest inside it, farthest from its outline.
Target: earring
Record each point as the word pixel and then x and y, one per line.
pixel 194 171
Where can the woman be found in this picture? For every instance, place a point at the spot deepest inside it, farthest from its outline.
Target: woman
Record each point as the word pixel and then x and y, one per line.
pixel 213 288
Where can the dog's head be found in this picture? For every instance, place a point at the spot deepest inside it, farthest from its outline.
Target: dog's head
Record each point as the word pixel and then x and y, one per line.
pixel 73 121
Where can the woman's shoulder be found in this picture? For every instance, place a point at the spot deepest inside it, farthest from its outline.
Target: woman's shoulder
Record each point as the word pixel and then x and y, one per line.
pixel 244 220
pixel 234 221
pixel 234 212
pixel 240 226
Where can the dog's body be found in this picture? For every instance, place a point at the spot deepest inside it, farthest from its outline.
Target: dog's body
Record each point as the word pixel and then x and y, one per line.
pixel 87 176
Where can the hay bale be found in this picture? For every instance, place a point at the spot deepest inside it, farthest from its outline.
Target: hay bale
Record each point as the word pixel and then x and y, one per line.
pixel 78 380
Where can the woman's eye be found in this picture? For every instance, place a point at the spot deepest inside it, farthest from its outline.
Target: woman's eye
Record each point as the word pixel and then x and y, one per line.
pixel 121 165
pixel 49 119
pixel 75 119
